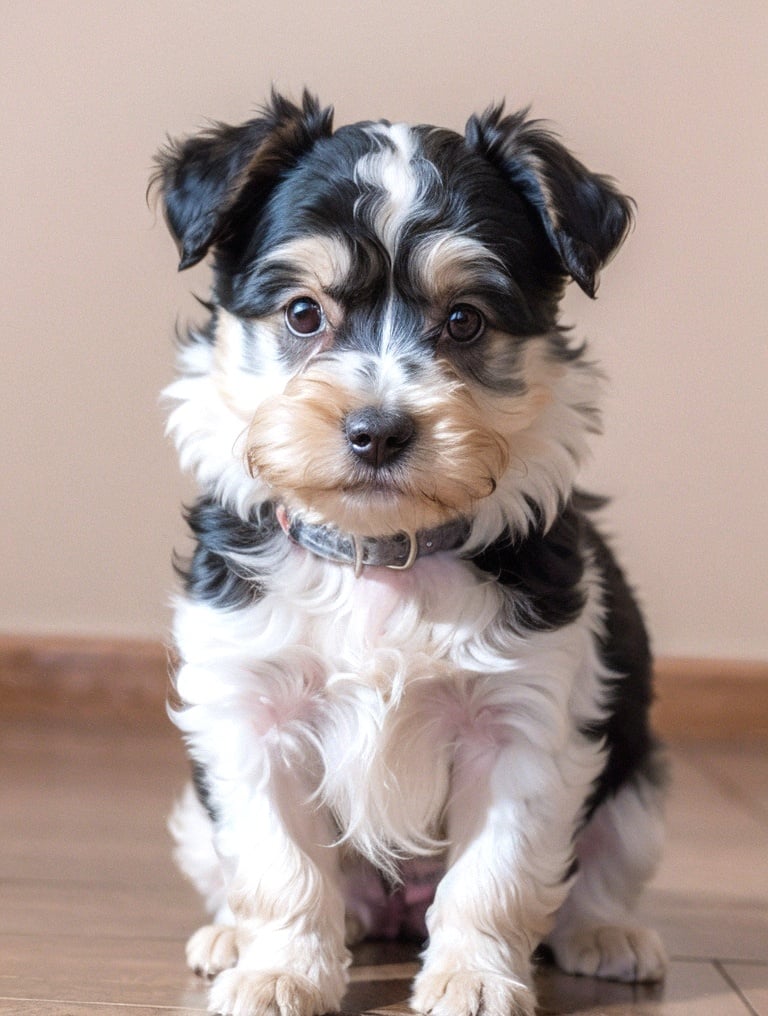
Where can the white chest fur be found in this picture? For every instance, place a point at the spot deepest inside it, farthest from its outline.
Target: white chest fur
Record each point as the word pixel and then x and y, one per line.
pixel 376 688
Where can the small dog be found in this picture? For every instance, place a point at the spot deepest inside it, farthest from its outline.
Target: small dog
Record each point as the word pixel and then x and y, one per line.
pixel 407 656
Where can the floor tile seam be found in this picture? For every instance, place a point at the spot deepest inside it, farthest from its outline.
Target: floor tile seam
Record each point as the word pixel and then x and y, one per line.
pixel 405 971
pixel 696 901
pixel 734 986
pixel 26 881
pixel 85 937
pixel 382 1010
pixel 745 963
pixel 740 961
pixel 129 1006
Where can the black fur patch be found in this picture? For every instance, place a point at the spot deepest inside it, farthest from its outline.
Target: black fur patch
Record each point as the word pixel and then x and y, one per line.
pixel 211 575
pixel 632 748
pixel 509 186
pixel 203 790
pixel 542 571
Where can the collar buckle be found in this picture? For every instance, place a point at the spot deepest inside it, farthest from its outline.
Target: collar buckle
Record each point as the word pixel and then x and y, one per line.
pixel 359 552
pixel 413 553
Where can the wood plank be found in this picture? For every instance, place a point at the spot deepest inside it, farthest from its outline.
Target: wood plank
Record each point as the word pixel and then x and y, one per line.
pixel 96 969
pixel 690 989
pixel 45 1007
pixel 104 938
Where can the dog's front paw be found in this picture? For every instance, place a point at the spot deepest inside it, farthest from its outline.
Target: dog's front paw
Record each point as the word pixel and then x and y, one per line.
pixel 632 954
pixel 458 992
pixel 267 993
pixel 211 949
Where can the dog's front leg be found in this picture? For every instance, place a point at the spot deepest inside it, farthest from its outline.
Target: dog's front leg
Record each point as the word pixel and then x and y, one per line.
pixel 286 901
pixel 510 825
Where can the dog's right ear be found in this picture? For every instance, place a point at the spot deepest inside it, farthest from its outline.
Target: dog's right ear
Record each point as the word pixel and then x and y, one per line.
pixel 201 178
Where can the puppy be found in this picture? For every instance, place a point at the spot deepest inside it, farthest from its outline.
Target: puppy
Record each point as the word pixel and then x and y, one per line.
pixel 402 640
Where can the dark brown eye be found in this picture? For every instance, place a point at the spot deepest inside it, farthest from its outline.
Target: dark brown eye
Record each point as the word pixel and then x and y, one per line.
pixel 304 316
pixel 465 323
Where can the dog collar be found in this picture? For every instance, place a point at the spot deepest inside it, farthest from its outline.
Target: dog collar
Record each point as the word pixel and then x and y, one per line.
pixel 398 552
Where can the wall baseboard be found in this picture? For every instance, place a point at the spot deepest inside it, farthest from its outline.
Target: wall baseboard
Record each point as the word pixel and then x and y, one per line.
pixel 711 699
pixel 90 678
pixel 127 681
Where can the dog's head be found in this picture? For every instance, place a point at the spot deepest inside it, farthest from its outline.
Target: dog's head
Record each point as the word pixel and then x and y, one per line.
pixel 384 352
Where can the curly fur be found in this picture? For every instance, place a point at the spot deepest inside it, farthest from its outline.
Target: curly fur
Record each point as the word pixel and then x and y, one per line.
pixel 485 710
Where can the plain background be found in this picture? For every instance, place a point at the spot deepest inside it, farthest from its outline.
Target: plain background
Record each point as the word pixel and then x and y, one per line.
pixel 670 98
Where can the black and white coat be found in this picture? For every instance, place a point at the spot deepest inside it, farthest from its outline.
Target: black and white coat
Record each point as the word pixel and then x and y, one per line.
pixel 487 706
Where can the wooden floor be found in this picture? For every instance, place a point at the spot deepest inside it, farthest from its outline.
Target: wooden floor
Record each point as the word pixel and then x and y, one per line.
pixel 93 916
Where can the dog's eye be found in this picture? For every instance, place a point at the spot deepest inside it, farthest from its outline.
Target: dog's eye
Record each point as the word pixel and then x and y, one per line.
pixel 465 323
pixel 304 317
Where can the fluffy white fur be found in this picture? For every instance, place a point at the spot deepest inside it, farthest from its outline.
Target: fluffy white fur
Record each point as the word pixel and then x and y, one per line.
pixel 318 731
pixel 383 715
pixel 398 714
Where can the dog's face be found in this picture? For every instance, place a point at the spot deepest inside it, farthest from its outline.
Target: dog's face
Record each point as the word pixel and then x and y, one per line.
pixel 384 352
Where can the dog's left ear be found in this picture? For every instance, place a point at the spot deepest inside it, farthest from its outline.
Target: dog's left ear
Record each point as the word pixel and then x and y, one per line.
pixel 585 217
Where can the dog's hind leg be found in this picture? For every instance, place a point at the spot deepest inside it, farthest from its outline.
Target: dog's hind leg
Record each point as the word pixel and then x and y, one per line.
pixel 596 932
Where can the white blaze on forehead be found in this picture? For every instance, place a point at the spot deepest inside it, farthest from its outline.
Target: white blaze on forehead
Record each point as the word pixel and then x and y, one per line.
pixel 398 176
pixel 391 170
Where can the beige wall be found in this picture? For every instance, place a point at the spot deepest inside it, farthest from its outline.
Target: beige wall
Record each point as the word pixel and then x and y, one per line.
pixel 671 98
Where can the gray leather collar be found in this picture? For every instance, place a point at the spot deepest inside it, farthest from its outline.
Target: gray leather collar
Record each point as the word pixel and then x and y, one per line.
pixel 399 552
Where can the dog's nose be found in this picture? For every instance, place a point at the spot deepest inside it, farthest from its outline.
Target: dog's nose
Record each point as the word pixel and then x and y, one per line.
pixel 379 436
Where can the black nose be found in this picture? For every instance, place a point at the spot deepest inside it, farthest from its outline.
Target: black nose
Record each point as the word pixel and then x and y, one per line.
pixel 378 436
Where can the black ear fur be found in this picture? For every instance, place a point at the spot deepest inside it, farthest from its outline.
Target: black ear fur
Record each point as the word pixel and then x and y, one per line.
pixel 584 215
pixel 200 178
